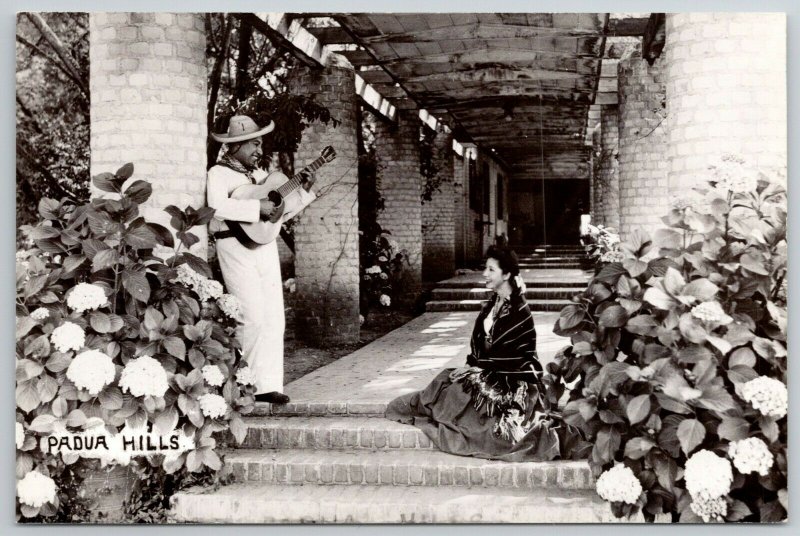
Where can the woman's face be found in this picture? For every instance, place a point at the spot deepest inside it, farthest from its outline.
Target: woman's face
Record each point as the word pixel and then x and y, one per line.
pixel 493 276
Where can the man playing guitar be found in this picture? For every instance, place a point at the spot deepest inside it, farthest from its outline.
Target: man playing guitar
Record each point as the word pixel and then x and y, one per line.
pixel 252 271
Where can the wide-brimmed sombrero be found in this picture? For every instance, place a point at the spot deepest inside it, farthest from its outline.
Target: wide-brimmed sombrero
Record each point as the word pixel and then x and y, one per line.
pixel 242 128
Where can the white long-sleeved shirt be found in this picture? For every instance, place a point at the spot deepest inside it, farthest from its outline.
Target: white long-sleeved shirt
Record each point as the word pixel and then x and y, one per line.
pixel 222 181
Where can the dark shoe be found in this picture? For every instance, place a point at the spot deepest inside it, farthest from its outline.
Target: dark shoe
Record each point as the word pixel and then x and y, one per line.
pixel 273 397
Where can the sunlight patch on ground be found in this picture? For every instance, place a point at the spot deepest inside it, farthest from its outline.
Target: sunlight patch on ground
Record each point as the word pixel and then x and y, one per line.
pixel 413 365
pixel 436 350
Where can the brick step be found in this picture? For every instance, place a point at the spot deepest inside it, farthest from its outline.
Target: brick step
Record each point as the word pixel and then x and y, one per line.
pixel 259 502
pixel 579 284
pixel 317 408
pixel 549 266
pixel 552 257
pixel 436 306
pixel 323 433
pixel 402 468
pixel 484 293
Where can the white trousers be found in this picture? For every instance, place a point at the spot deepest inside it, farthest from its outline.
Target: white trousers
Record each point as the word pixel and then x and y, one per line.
pixel 254 277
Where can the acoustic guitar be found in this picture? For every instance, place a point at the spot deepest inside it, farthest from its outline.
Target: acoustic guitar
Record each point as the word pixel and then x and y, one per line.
pixel 277 187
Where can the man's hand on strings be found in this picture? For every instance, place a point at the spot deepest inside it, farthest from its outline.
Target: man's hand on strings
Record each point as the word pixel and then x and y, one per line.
pixel 309 178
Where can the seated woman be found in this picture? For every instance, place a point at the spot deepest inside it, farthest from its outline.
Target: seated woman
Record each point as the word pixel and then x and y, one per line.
pixel 488 409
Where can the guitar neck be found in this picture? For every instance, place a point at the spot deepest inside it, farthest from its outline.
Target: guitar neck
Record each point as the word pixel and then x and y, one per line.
pixel 295 182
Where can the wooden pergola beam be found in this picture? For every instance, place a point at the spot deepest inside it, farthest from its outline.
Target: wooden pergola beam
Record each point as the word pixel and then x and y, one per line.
pixel 655 37
pixel 288 33
pixel 331 35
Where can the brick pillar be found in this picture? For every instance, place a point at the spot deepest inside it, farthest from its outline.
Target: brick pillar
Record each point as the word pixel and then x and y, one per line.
pixel 643 194
pixel 607 179
pixel 397 151
pixel 326 233
pixel 438 227
pixel 726 93
pixel 148 86
pixel 459 208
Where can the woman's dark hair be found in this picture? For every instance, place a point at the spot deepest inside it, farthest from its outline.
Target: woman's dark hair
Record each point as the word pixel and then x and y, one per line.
pixel 506 259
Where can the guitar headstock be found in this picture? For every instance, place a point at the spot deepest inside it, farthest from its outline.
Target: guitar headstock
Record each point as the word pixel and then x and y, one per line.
pixel 328 154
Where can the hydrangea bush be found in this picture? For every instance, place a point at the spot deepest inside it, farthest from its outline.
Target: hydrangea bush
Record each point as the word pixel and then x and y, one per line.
pixel 118 321
pixel 381 271
pixel 677 367
pixel 602 244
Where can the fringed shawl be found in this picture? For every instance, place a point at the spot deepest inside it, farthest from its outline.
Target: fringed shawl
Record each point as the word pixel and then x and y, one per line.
pixel 501 373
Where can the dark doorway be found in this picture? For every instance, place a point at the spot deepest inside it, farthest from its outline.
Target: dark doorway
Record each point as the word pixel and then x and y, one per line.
pixel 546 212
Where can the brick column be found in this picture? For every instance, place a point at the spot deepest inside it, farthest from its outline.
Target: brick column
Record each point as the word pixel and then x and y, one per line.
pixel 148 86
pixel 459 208
pixel 326 233
pixel 726 93
pixel 397 151
pixel 438 226
pixel 643 194
pixel 606 193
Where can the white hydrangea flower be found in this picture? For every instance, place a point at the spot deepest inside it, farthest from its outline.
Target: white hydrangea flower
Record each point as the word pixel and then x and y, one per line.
pixel 611 256
pixel 144 376
pixel 767 395
pixel 382 258
pixel 245 376
pixel 707 475
pixel 208 290
pixel 710 509
pixel 619 484
pixel 19 434
pixel 385 300
pixel 36 489
pixel 91 370
pixel 373 270
pixel 213 375
pixel 290 285
pixel 230 306
pixel 383 275
pixel 40 314
pixel 86 297
pixel 68 336
pixel 187 276
pixel 751 455
pixel 711 312
pixel 213 406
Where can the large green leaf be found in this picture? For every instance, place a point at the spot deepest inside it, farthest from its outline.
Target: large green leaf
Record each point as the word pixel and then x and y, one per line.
pixel 638 447
pixel 733 428
pixel 175 347
pixel 167 420
pixel 742 356
pixel 139 191
pixel 691 433
pixel 27 396
pixel 702 289
pixel 614 316
pixel 659 298
pixel 638 408
pixel 642 325
pixel 570 317
pixel 136 284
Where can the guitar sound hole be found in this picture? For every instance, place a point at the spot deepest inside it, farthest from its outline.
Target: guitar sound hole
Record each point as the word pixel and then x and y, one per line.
pixel 275 198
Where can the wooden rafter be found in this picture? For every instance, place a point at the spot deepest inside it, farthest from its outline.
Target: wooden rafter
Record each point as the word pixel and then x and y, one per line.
pixel 288 33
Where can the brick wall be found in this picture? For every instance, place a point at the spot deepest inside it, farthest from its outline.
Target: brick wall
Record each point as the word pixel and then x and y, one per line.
pixel 326 233
pixel 397 152
pixel 726 92
pixel 438 227
pixel 643 192
pixel 606 183
pixel 148 87
pixel 459 207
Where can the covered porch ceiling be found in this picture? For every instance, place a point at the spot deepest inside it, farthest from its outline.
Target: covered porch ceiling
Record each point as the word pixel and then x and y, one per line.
pixel 519 85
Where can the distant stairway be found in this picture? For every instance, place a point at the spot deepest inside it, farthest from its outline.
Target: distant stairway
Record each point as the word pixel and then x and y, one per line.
pixel 552 275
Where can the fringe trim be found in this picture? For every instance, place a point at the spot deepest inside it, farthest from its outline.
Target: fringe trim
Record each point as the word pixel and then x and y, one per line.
pixel 509 406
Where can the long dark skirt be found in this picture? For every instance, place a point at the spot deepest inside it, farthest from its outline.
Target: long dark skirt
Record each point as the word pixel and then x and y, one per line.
pixel 445 412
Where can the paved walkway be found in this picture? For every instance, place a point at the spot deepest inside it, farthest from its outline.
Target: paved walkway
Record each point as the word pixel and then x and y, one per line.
pixel 405 360
pixel 531 276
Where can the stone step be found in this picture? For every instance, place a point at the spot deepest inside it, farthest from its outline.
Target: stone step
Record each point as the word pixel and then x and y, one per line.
pixel 576 283
pixel 549 266
pixel 434 306
pixel 484 293
pixel 402 468
pixel 316 408
pixel 332 433
pixel 258 502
